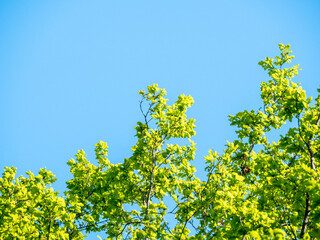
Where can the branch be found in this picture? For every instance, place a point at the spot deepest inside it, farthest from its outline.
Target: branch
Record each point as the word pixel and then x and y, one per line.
pixel 244 236
pixel 151 181
pixel 294 234
pixel 306 217
pixel 184 226
pixel 145 115
pixel 186 222
pixel 309 147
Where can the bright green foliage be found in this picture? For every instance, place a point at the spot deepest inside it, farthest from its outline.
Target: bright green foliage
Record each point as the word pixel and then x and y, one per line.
pixel 128 199
pixel 30 209
pixel 261 189
pixel 255 189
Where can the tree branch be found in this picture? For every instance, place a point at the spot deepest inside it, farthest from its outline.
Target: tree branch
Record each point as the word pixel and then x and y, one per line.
pixel 306 217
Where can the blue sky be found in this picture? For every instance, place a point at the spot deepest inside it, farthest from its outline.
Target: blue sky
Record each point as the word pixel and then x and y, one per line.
pixel 70 70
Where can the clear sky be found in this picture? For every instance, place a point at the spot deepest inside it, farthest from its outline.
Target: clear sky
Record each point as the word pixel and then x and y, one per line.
pixel 70 70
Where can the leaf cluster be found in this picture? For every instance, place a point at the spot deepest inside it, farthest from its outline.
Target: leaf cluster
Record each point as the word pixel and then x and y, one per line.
pixel 255 189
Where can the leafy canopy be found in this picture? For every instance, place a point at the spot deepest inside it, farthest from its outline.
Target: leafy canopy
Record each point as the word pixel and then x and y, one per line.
pixel 254 189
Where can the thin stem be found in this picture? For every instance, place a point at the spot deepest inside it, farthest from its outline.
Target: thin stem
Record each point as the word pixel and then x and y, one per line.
pixel 306 217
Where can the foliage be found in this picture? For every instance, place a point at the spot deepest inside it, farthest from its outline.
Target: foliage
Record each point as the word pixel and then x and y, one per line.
pixel 255 189
pixel 30 209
